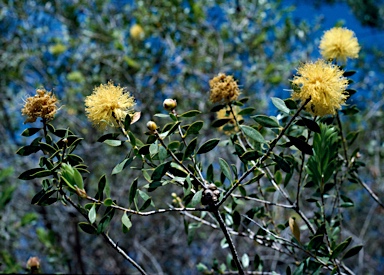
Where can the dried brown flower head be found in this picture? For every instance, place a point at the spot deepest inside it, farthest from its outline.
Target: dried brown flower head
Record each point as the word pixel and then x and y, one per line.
pixel 43 104
pixel 223 88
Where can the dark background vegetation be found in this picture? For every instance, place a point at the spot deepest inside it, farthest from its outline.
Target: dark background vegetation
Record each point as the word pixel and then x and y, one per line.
pixel 69 47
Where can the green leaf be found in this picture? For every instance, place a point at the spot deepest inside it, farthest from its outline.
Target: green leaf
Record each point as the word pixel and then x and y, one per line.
pixel 245 260
pixel 220 122
pixel 30 174
pixel 108 202
pixel 30 132
pixel 119 167
pixel 160 171
pixel 126 221
pixel 218 108
pixel 282 163
pixel 111 136
pixel 266 121
pixel 246 111
pixel 280 104
pixel 196 199
pixel 301 145
pixel 132 191
pixel 352 252
pixel 100 188
pixel 161 115
pixel 27 150
pixel 252 133
pixel 172 129
pixel 250 155
pixel 191 113
pixel 190 148
pixel 113 143
pixel 194 128
pixel 340 248
pixel 78 179
pixel 208 146
pixel 310 124
pixel 127 122
pixel 291 104
pixel 87 228
pixel 348 73
pixel 350 110
pixel 224 166
pixel 92 214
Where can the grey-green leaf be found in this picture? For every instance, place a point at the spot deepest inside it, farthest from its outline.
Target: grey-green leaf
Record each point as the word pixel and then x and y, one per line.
pixel 225 169
pixel 266 121
pixel 252 133
pixel 280 104
pixel 126 221
pixel 92 214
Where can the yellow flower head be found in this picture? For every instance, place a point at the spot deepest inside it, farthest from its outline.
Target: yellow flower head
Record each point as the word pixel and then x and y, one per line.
pixel 324 83
pixel 43 104
pixel 136 32
pixel 108 104
pixel 340 44
pixel 231 126
pixel 223 88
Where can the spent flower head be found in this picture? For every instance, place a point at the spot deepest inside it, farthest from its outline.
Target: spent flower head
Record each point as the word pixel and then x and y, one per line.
pixel 223 88
pixel 108 105
pixel 324 84
pixel 43 104
pixel 340 44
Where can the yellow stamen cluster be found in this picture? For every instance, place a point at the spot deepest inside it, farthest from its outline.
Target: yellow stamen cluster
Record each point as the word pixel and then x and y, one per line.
pixel 324 84
pixel 223 88
pixel 339 44
pixel 108 105
pixel 43 104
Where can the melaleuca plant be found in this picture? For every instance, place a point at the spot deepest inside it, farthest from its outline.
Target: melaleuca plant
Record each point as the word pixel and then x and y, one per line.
pixel 276 181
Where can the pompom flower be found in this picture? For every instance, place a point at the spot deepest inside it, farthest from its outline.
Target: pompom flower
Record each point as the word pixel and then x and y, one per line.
pixel 339 44
pixel 109 104
pixel 223 88
pixel 43 104
pixel 136 32
pixel 231 126
pixel 324 84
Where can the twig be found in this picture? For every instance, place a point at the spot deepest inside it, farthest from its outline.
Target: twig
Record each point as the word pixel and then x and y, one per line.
pixel 229 241
pixel 373 195
pixel 106 237
pixel 178 161
pixel 154 212
pixel 343 139
pixel 264 157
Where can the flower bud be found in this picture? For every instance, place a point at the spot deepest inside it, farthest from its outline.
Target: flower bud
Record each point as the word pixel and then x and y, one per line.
pixel 137 32
pixel 33 264
pixel 151 126
pixel 169 104
pixel 81 192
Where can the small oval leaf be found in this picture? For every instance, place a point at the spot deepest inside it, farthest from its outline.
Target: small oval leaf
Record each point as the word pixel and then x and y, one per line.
pixel 208 146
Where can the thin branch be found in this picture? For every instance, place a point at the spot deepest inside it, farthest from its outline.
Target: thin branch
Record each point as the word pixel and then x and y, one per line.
pixel 344 141
pixel 178 161
pixel 264 157
pixel 154 212
pixel 366 187
pixel 229 241
pixel 263 201
pixel 106 237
